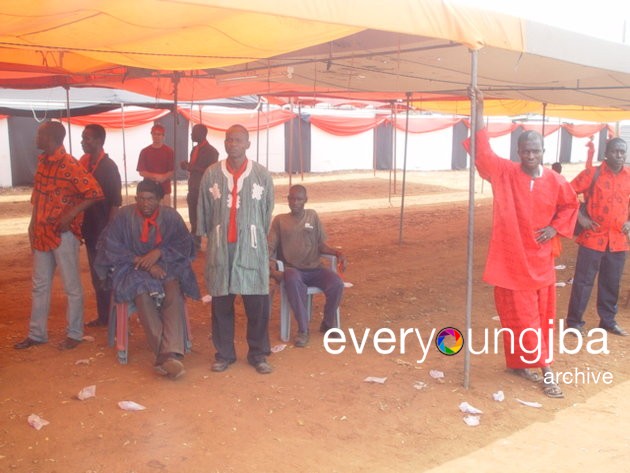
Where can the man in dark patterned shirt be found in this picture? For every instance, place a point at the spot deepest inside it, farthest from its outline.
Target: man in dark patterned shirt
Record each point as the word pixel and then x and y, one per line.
pixel 63 190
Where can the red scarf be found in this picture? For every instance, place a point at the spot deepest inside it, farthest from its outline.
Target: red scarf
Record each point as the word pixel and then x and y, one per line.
pixel 232 230
pixel 87 163
pixel 146 227
pixel 195 153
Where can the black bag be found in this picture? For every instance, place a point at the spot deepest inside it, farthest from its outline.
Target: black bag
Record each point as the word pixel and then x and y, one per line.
pixel 579 228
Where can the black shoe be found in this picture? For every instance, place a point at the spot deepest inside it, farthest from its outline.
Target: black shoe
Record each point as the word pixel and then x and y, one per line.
pixel 263 367
pixel 301 339
pixel 28 342
pixel 69 344
pixel 325 328
pixel 582 331
pixel 616 330
pixel 97 323
pixel 220 366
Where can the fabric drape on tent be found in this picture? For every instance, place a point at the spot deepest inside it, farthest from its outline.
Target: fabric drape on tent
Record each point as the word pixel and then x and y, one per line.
pixel 250 120
pixel 548 129
pixel 345 126
pixel 114 118
pixel 586 130
pixel 424 124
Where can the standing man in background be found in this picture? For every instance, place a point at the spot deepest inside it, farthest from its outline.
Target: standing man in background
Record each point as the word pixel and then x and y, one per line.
pixel 97 216
pixel 604 241
pixel 202 156
pixel 157 162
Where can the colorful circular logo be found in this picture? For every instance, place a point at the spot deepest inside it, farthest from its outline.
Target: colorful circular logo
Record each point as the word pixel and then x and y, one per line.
pixel 449 341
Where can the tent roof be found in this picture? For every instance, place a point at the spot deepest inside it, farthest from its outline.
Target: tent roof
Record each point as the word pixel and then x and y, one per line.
pixel 88 100
pixel 239 47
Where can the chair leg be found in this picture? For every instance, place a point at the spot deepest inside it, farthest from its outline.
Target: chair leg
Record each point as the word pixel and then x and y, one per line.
pixel 187 331
pixel 285 315
pixel 122 331
pixel 309 306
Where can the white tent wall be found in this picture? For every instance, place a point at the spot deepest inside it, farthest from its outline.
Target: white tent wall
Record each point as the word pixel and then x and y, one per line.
pixel 5 155
pixel 501 145
pixel 579 150
pixel 425 151
pixel 335 153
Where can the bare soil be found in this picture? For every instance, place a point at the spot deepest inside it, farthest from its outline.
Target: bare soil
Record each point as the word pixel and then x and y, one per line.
pixel 315 412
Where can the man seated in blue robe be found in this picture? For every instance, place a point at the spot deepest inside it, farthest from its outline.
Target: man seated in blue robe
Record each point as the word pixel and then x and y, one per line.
pixel 149 250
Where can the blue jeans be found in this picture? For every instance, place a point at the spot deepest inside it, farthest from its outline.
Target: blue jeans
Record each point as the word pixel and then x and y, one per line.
pixel 66 257
pixel 296 282
pixel 609 265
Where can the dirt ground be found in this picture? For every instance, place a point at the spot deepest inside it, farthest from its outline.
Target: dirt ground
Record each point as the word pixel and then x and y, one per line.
pixel 315 412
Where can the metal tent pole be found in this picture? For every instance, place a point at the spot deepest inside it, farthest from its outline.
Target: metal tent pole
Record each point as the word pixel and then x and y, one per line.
pixel 402 200
pixel 471 214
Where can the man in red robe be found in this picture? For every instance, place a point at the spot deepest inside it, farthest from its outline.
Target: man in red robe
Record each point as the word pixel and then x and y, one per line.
pixel 532 206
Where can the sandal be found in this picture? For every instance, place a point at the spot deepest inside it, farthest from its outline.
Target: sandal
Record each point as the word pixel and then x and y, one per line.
pixel 553 390
pixel 526 374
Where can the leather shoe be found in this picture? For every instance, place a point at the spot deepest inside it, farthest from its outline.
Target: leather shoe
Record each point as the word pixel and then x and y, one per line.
pixel 263 367
pixel 323 328
pixel 219 366
pixel 96 323
pixel 301 339
pixel 616 330
pixel 27 343
pixel 69 344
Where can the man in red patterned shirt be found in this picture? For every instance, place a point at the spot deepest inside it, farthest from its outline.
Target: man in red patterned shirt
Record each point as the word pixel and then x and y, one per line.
pixel 604 242
pixel 63 190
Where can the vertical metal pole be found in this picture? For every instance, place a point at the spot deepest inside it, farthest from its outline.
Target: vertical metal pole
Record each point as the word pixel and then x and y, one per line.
pixel 471 214
pixel 543 123
pixel 258 130
pixel 175 122
pixel 122 113
pixel 67 87
pixel 291 143
pixel 402 200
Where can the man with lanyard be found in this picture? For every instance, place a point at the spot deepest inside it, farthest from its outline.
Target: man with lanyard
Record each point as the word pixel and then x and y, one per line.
pixel 150 252
pixel 234 211
pixel 105 171
pixel 604 242
pixel 63 189
pixel 202 156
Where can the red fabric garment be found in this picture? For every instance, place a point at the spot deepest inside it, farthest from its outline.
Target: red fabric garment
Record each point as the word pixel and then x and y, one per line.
pixel 521 207
pixel 147 223
pixel 607 205
pixel 232 227
pixel 60 184
pixel 86 163
pixel 590 154
pixel 520 310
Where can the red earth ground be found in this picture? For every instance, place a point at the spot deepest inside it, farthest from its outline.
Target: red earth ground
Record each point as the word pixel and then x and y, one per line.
pixel 315 412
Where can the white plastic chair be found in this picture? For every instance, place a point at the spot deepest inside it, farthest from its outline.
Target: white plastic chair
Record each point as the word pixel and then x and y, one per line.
pixel 285 307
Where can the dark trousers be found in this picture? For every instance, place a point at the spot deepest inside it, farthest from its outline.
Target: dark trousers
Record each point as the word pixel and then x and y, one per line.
pixel 103 296
pixel 610 267
pixel 257 311
pixel 296 282
pixel 191 200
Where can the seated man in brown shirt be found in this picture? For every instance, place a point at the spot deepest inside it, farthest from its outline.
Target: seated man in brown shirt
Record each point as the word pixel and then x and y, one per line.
pixel 298 239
